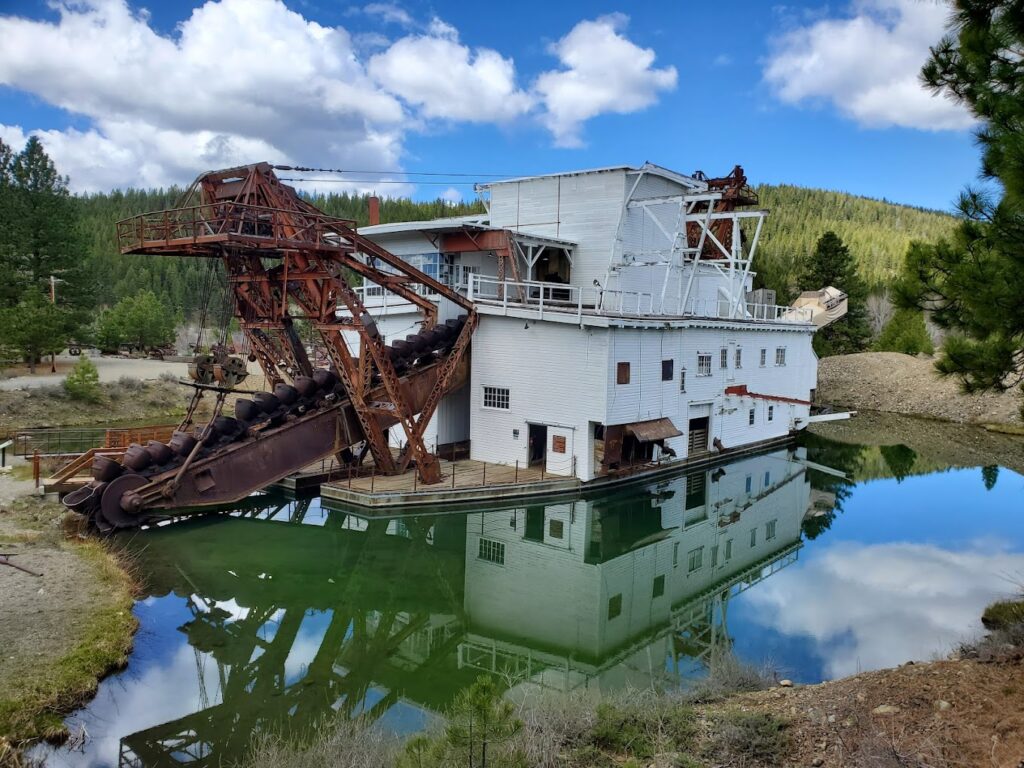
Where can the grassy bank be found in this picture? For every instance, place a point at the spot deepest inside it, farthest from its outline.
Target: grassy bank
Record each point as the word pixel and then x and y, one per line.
pixel 64 629
pixel 127 401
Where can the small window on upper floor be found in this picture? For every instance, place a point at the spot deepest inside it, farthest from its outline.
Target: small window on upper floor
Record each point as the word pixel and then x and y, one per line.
pixel 753 537
pixel 723 358
pixel 694 559
pixel 771 412
pixel 728 549
pixel 492 551
pixel 750 484
pixel 780 355
pixel 703 364
pixel 667 370
pixel 750 417
pixel 682 379
pixel 769 530
pixel 764 357
pixel 496 397
pixel 739 357
pixel 622 373
pixel 658 588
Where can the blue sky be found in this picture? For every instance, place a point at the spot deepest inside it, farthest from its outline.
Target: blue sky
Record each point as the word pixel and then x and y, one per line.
pixel 813 94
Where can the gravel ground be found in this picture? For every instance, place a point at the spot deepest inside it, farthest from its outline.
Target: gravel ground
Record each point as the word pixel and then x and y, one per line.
pixel 109 368
pixel 897 383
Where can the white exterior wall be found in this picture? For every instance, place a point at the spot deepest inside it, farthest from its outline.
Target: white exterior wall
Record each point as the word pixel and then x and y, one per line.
pixel 555 375
pixel 584 209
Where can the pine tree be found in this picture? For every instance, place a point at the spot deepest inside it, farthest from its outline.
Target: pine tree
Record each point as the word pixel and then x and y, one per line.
pixel 83 383
pixel 35 327
pixel 832 265
pixel 973 282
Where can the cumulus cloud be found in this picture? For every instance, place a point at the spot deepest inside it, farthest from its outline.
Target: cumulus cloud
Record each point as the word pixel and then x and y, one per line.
pixel 866 65
pixel 873 606
pixel 477 86
pixel 245 80
pixel 602 71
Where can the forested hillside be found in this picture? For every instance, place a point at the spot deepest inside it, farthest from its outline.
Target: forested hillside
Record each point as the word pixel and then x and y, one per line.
pixel 876 232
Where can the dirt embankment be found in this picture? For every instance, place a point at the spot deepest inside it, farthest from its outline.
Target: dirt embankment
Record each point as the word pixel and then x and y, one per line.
pixel 62 629
pixel 898 383
pixel 940 714
pixel 128 401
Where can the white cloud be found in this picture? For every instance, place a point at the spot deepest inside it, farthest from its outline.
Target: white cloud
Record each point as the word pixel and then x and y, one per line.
pixel 246 80
pixel 445 79
pixel 867 65
pixel 603 71
pixel 452 195
pixel 873 606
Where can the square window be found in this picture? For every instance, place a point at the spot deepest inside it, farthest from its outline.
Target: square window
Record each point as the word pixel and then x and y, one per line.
pixel 771 412
pixel 764 357
pixel 667 370
pixel 492 551
pixel 682 380
pixel 658 589
pixel 769 530
pixel 739 357
pixel 694 559
pixel 556 529
pixel 622 373
pixel 614 606
pixel 750 417
pixel 780 355
pixel 728 549
pixel 753 537
pixel 723 358
pixel 703 364
pixel 496 397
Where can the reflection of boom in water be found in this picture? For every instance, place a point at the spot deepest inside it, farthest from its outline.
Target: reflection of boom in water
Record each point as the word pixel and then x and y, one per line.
pixel 618 590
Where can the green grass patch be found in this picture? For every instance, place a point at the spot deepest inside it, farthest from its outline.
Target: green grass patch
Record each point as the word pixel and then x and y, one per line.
pixel 33 706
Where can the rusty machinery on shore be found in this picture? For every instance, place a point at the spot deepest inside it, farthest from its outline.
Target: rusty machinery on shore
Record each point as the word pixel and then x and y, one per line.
pixel 285 261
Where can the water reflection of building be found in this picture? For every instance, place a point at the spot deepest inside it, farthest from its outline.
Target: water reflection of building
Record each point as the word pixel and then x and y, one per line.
pixel 630 588
pixel 305 612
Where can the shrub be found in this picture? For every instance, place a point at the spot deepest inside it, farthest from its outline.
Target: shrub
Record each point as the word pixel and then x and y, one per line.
pixel 728 675
pixel 749 737
pixel 1003 614
pixel 906 333
pixel 83 383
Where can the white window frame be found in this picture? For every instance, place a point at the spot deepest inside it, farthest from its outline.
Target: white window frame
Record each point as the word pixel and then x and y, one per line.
pixel 695 560
pixel 682 379
pixel 703 363
pixel 494 393
pixel 738 362
pixel 780 357
pixel 769 530
pixel 771 413
pixel 764 356
pixel 491 551
pixel 751 417
pixel 723 359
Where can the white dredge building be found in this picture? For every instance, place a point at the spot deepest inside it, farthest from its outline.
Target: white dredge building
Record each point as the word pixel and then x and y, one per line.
pixel 618 325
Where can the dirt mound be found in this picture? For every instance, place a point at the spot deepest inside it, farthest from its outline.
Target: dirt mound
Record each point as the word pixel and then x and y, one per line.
pixel 898 383
pixel 947 713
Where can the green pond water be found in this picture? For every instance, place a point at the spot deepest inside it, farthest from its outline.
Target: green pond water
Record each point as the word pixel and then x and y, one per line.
pixel 825 558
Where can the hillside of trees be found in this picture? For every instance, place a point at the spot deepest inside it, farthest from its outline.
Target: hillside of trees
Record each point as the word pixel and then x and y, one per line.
pixel 877 233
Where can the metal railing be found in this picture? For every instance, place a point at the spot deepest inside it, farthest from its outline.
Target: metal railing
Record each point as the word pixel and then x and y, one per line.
pixel 567 299
pixel 202 223
pixel 69 442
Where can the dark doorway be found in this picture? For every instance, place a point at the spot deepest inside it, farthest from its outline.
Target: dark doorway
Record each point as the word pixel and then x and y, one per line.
pixel 538 443
pixel 534 524
pixel 698 441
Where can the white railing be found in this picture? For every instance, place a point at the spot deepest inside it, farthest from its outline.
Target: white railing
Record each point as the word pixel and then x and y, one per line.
pixel 567 299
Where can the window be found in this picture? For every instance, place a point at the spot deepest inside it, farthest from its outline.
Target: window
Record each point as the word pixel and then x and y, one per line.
pixel 767 479
pixel 614 606
pixel 682 380
pixel 764 357
pixel 750 417
pixel 675 555
pixel 739 357
pixel 667 370
pixel 496 397
pixel 728 549
pixel 769 530
pixel 558 443
pixel 723 358
pixel 694 559
pixel 780 355
pixel 622 373
pixel 492 551
pixel 556 529
pixel 750 483
pixel 658 589
pixel 714 556
pixel 703 364
pixel 753 537
pixel 771 412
